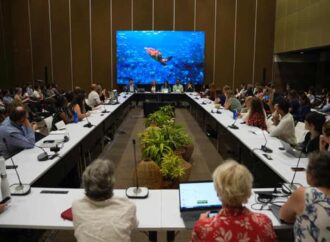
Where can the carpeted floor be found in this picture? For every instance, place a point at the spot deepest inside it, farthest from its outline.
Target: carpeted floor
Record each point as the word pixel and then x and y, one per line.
pixel 204 159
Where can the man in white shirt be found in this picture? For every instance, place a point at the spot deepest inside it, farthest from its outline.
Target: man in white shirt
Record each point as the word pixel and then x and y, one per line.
pixel 177 88
pixel 93 97
pixel 283 124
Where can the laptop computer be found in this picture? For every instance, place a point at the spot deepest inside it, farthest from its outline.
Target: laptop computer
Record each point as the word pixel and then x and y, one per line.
pixel 275 208
pixel 292 151
pixel 195 198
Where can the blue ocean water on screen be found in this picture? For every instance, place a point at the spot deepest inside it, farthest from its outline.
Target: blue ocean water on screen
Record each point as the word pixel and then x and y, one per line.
pixel 160 55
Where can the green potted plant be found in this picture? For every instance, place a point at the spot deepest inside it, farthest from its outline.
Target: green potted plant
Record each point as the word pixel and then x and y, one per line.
pixel 154 145
pixel 158 119
pixel 178 140
pixel 168 110
pixel 173 169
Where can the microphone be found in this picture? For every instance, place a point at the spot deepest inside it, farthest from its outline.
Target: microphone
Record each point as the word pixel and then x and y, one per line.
pixel 17 189
pixel 264 147
pixel 104 109
pixel 88 125
pixel 41 157
pixel 136 192
pixel 233 125
pixel 288 188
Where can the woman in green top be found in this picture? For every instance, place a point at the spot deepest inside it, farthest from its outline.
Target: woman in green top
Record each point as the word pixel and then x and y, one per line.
pixel 232 103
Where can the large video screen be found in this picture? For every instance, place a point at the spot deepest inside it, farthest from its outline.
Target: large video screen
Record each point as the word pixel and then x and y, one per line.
pixel 145 56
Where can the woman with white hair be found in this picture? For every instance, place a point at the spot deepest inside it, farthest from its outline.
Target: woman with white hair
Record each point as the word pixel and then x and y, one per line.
pixel 101 216
pixel 234 222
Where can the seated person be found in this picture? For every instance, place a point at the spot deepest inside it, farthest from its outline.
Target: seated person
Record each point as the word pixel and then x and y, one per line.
pixel 190 87
pixel 2 105
pixel 17 131
pixel 166 88
pixel 233 184
pixel 325 137
pixel 153 87
pixel 256 115
pixel 104 95
pixel 205 92
pixel 311 95
pixel 326 107
pixel 94 97
pixel 130 87
pixel 177 88
pixel 19 99
pixel 308 208
pixel 7 98
pixel 283 124
pixel 246 108
pixel 62 112
pixel 313 123
pixel 101 216
pixel 232 103
pixel 293 102
pixel 303 109
pixel 78 106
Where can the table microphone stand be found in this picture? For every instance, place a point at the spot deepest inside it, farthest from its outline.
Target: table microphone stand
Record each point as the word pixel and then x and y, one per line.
pixel 136 192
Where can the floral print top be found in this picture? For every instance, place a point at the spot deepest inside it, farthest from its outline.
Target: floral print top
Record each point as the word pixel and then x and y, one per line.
pixel 314 223
pixel 234 225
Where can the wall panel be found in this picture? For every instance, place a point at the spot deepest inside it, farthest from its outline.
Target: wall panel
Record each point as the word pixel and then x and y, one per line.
pixel 264 40
pixel 40 39
pixel 163 14
pixel 142 18
pixel 20 46
pixel 205 22
pixel 301 24
pixel 107 16
pixel 244 42
pixel 4 41
pixel 184 14
pixel 80 43
pixel 61 43
pixel 101 42
pixel 225 43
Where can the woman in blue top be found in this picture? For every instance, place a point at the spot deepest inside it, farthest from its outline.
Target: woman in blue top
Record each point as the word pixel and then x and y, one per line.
pixel 309 208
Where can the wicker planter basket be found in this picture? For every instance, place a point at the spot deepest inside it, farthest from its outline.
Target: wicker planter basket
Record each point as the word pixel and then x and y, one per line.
pixel 149 174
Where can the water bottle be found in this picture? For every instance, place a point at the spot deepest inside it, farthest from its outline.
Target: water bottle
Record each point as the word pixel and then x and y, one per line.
pixel 5 190
pixel 235 114
pixel 75 117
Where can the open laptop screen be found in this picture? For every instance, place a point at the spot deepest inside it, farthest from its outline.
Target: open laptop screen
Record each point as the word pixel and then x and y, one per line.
pixel 195 196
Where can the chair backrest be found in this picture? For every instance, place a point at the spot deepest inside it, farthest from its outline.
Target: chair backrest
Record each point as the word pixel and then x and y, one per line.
pixel 49 122
pixel 300 132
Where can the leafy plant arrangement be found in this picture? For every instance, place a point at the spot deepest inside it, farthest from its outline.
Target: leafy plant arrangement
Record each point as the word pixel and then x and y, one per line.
pixel 176 136
pixel 162 142
pixel 171 167
pixel 154 145
pixel 158 119
pixel 168 110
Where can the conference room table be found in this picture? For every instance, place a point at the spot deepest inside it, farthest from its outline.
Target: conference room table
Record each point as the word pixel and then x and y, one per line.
pixel 159 211
pixel 43 173
pixel 81 138
pixel 249 140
